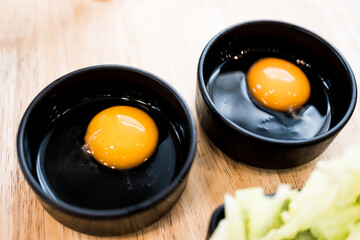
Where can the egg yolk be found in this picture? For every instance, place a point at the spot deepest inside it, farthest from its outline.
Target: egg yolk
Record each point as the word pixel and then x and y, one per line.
pixel 121 137
pixel 278 84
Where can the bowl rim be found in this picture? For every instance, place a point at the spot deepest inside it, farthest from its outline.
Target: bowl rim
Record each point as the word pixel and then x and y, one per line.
pixel 215 218
pixel 285 142
pixel 117 212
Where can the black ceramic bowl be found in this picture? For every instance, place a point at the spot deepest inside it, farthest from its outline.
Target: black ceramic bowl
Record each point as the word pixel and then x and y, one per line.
pixel 79 192
pixel 216 217
pixel 289 40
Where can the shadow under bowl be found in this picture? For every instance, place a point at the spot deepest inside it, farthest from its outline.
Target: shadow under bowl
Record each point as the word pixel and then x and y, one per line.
pixel 73 187
pixel 293 42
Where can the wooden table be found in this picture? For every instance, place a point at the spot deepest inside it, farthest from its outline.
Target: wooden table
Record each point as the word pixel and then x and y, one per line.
pixel 43 40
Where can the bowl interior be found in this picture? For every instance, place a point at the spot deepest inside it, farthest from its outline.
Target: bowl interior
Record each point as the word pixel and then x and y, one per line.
pixel 294 44
pixel 51 137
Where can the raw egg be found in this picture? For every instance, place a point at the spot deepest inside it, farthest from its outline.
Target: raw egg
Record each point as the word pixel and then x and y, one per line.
pixel 121 137
pixel 278 84
pixel 269 96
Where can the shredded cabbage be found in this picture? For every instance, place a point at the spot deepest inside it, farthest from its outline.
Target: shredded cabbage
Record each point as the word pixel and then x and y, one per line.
pixel 327 208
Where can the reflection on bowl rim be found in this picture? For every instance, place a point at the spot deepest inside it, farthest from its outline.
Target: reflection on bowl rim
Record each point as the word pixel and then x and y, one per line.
pixel 237 128
pixel 116 212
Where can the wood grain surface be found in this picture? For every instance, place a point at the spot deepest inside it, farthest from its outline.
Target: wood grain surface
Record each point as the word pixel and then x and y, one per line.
pixel 43 40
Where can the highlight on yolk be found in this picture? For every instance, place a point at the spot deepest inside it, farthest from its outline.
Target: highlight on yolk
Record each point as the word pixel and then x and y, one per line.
pixel 278 84
pixel 121 137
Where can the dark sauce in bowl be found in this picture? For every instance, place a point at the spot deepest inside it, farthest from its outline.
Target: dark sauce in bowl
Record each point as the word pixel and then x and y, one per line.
pixel 68 173
pixel 227 88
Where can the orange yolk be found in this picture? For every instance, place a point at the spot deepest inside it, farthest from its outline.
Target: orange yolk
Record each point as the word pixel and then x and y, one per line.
pixel 278 84
pixel 121 137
